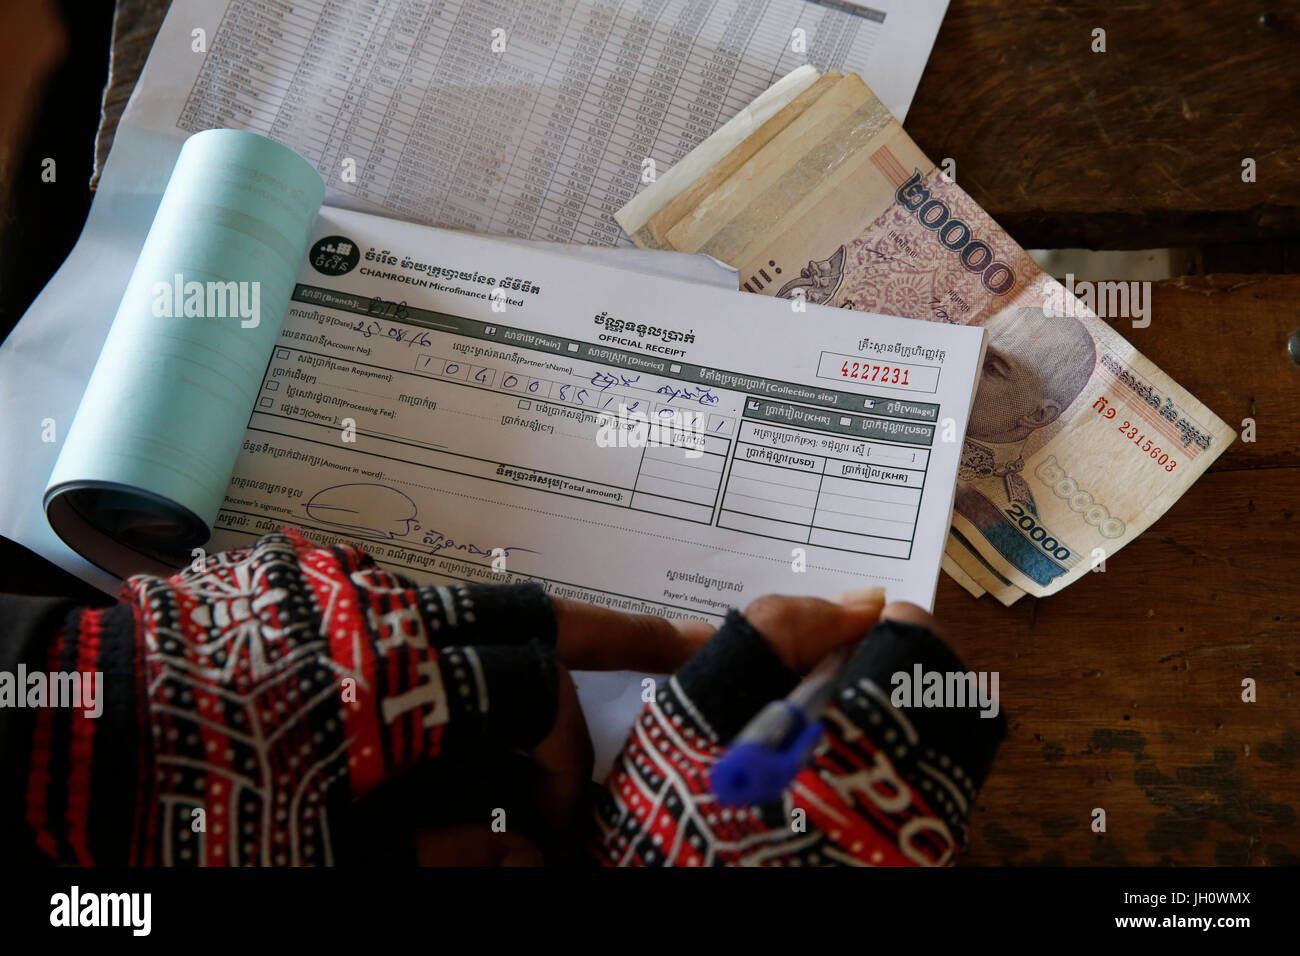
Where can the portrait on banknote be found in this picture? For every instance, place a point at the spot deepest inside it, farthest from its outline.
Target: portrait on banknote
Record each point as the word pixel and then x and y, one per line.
pixel 1035 366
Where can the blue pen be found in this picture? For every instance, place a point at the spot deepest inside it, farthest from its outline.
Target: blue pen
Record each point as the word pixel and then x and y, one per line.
pixel 775 745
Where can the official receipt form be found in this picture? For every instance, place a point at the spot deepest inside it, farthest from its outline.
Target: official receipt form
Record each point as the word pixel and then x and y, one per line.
pixel 470 410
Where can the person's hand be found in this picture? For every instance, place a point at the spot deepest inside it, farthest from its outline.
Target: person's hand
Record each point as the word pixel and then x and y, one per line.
pixel 888 784
pixel 274 685
pixel 799 630
pixel 501 655
pixel 592 638
pixel 803 630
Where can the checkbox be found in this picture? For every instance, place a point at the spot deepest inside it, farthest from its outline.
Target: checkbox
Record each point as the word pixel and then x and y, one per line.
pixel 525 405
pixel 674 368
pixel 573 346
pixel 282 353
pixel 846 421
pixel 265 403
pixel 490 330
pixel 753 406
pixel 272 386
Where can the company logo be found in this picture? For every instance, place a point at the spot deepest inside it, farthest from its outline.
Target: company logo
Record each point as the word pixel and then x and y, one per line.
pixel 334 256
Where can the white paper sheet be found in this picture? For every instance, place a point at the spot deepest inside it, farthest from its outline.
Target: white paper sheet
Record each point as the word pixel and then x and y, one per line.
pixel 401 410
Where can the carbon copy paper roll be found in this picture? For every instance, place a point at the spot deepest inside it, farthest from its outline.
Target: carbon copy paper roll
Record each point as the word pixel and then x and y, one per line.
pixel 146 462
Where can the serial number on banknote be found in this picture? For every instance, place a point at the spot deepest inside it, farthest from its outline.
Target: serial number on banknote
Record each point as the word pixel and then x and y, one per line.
pixel 1150 448
pixel 1135 434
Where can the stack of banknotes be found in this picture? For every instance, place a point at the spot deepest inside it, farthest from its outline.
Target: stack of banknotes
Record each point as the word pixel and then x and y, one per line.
pixel 1076 441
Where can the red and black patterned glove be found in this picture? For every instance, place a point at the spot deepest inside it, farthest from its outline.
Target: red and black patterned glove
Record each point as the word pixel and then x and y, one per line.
pixel 887 786
pixel 261 696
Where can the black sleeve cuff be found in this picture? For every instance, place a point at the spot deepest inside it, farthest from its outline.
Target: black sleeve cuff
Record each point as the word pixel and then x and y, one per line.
pixel 28 627
pixel 899 659
pixel 732 677
pixel 500 694
pixel 489 614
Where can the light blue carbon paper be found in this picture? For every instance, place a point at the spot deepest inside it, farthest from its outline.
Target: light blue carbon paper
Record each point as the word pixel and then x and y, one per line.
pixel 146 462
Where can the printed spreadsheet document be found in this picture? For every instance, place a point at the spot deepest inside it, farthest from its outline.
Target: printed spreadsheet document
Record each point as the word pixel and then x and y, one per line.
pixel 535 120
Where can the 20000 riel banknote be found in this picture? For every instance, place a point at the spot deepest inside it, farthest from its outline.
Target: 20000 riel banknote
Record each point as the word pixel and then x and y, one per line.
pixel 1076 441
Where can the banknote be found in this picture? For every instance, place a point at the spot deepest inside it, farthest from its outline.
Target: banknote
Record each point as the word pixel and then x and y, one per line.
pixel 705 157
pixel 1076 441
pixel 975 570
pixel 955 572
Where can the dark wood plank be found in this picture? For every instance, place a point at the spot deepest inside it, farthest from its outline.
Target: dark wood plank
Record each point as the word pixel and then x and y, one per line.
pixel 1124 692
pixel 1137 147
pixel 1224 339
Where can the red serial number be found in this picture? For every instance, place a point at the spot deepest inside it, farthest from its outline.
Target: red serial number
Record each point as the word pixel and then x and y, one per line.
pixel 1159 456
pixel 866 372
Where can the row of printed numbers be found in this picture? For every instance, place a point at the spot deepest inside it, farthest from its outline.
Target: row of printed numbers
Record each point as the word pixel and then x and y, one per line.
pixel 1158 455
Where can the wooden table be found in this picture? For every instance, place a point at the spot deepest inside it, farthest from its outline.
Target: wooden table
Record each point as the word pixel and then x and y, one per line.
pixel 1124 691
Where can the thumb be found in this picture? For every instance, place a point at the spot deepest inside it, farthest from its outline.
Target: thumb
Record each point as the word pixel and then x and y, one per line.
pixel 803 630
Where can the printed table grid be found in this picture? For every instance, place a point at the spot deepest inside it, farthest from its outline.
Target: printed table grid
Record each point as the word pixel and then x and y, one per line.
pixel 545 139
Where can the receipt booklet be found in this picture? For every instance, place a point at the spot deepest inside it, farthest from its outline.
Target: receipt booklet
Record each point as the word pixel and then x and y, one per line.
pixel 469 409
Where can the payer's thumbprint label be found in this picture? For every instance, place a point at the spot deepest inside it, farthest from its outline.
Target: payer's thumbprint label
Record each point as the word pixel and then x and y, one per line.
pixel 334 256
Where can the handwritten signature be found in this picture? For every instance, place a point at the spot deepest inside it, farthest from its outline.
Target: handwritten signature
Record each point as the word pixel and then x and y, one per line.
pixel 364 507
pixel 439 542
pixel 606 379
pixel 699 394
